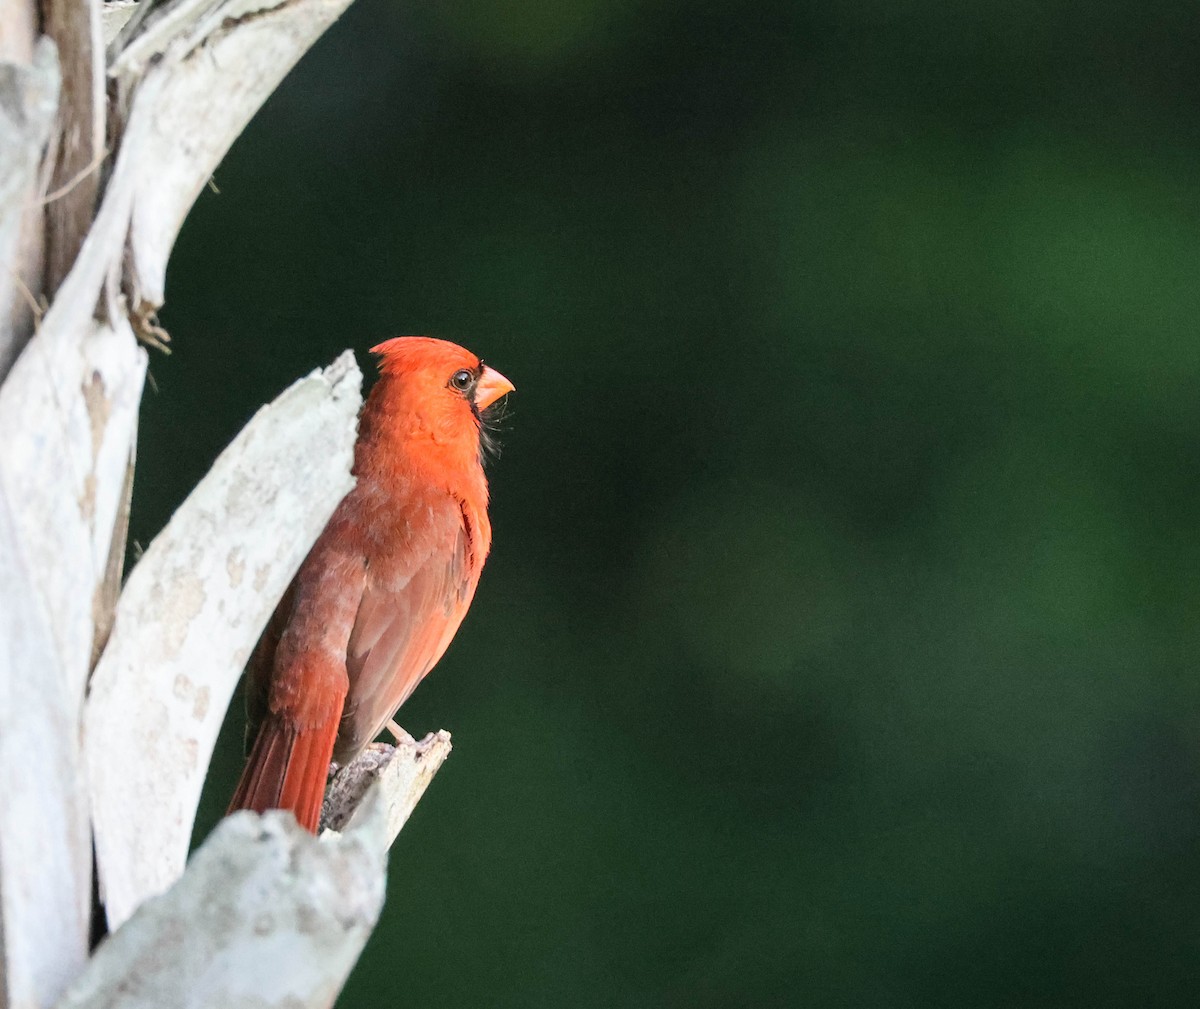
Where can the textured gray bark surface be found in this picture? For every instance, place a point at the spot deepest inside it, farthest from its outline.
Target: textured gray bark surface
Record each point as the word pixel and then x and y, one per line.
pixel 111 120
pixel 184 606
pixel 29 86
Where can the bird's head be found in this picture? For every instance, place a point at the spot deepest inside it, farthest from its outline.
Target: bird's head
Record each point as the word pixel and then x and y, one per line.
pixel 442 388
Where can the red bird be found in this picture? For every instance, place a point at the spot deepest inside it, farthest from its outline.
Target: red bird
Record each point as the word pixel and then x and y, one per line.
pixel 384 588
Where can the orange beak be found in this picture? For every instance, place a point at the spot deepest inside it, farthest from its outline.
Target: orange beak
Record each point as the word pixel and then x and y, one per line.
pixel 490 387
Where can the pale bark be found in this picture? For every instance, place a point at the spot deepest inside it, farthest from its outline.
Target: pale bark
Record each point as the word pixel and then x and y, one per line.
pixel 44 912
pixel 100 163
pixel 401 772
pixel 265 916
pixel 180 641
pixel 28 100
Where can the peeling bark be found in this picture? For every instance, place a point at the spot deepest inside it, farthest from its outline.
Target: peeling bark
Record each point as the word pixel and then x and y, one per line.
pixel 189 616
pixel 99 174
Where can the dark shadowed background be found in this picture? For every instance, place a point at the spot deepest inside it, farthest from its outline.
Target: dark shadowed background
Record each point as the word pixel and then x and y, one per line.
pixel 838 645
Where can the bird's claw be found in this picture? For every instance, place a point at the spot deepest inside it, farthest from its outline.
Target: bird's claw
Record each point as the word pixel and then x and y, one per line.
pixel 401 736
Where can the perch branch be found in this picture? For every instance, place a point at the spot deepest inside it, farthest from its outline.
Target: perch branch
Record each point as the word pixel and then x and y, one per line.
pixel 403 772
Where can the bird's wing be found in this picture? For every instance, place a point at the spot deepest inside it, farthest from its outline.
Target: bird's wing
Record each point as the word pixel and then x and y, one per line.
pixel 262 663
pixel 297 683
pixel 409 613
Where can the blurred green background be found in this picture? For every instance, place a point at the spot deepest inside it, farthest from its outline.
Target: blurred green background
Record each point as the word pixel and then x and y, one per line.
pixel 838 643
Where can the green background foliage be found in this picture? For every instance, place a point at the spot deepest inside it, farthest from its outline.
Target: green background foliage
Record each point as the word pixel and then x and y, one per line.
pixel 838 643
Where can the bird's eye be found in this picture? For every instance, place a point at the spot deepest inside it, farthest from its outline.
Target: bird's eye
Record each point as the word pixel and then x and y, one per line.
pixel 462 380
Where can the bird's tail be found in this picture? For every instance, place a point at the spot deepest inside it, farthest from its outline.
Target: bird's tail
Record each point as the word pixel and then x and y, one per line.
pixel 287 769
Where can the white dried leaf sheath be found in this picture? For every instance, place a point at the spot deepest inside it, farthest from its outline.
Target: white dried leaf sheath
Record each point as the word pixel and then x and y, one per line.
pixel 188 618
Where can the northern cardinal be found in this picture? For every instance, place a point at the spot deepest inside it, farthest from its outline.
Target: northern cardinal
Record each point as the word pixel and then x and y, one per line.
pixel 386 585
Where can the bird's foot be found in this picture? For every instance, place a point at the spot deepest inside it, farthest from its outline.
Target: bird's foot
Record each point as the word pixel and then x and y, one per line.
pixel 398 734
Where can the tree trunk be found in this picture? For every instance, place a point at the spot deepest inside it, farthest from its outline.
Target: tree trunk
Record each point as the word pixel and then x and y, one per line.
pixel 111 697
